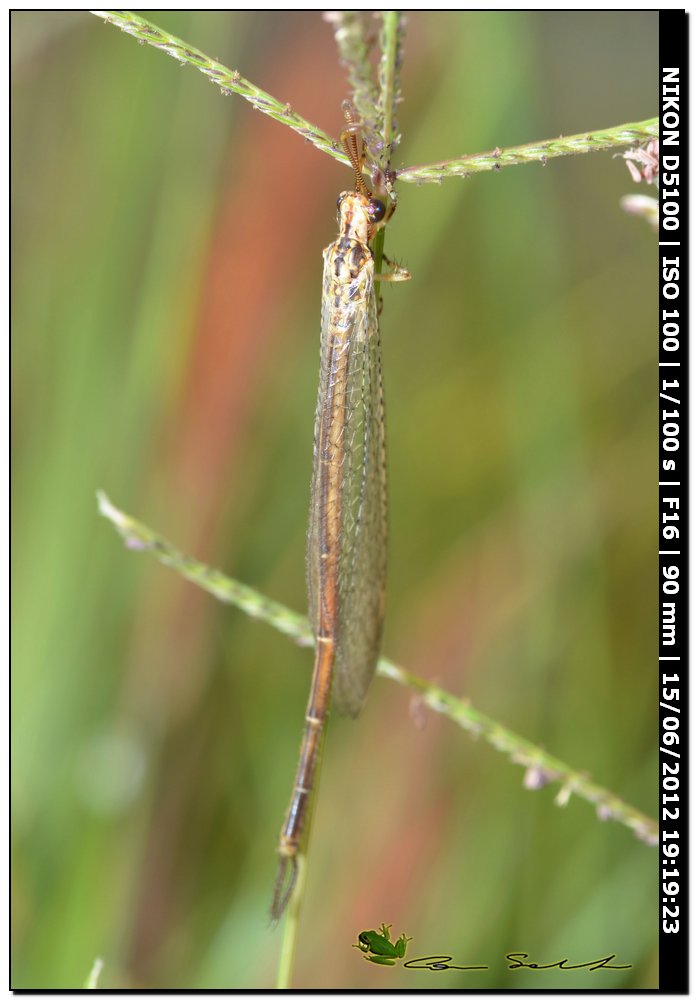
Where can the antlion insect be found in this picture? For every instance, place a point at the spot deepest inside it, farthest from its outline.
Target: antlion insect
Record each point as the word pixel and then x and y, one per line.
pixel 347 531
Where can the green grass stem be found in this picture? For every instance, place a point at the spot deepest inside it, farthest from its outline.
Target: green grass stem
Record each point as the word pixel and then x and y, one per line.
pixel 231 81
pixel 541 767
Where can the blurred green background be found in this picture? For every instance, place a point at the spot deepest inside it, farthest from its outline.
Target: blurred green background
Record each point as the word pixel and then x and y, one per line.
pixel 166 290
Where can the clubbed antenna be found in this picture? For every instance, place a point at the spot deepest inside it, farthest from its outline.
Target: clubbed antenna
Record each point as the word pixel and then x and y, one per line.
pixel 354 147
pixel 370 42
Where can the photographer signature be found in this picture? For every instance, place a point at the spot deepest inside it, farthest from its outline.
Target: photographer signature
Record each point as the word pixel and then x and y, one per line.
pixel 515 959
pixel 377 947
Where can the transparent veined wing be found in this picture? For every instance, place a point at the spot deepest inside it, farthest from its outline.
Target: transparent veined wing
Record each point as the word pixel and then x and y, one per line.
pixel 348 513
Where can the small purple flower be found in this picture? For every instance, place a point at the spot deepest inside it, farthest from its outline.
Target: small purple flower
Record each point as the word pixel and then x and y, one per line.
pixel 136 544
pixel 644 163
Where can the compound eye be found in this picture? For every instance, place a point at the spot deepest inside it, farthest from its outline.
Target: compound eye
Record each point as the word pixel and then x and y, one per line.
pixel 376 210
pixel 340 199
